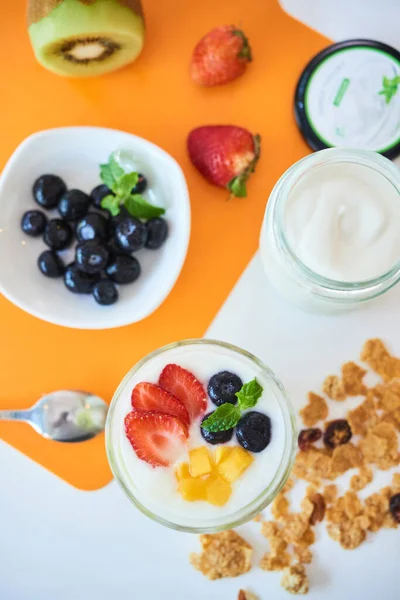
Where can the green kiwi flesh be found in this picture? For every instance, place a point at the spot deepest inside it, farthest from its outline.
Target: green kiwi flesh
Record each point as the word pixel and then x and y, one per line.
pixel 83 38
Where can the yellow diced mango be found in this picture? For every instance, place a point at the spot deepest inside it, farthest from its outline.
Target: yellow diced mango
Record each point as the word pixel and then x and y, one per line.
pixel 232 466
pixel 193 488
pixel 221 453
pixel 200 462
pixel 182 471
pixel 218 491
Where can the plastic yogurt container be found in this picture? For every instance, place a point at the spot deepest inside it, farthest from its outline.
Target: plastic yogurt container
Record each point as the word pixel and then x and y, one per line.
pixel 154 490
pixel 329 239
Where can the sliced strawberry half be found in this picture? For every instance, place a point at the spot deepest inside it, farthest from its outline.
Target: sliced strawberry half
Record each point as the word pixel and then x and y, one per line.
pixel 148 397
pixel 183 385
pixel 157 438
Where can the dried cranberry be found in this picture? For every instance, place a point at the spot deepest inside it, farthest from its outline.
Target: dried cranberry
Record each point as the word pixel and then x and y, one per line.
pixel 318 513
pixel 394 506
pixel 308 437
pixel 337 433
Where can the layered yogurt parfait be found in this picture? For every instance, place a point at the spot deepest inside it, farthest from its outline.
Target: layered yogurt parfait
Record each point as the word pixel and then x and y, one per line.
pixel 200 435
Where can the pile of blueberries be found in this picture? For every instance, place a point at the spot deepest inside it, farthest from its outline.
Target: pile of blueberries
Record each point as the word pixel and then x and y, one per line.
pixel 253 432
pixel 103 253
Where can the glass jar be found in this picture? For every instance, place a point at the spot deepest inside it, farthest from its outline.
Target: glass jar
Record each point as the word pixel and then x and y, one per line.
pixel 164 508
pixel 287 273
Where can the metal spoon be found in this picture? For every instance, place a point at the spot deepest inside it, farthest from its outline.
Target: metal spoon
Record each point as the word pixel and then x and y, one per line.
pixel 64 416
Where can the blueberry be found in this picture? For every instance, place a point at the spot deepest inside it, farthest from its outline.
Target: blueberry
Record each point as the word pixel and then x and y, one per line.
pixel 114 249
pixel 50 264
pixel 78 282
pixel 92 226
pixel 215 437
pixel 98 193
pixel 57 234
pixel 48 189
pixel 124 269
pixel 123 214
pixel 91 256
pixel 105 292
pixel 131 234
pixel 223 386
pixel 253 431
pixel 73 205
pixel 157 233
pixel 33 222
pixel 141 185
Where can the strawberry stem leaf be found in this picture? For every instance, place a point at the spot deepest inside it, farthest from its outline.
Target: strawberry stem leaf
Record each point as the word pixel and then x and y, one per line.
pixel 245 51
pixel 237 185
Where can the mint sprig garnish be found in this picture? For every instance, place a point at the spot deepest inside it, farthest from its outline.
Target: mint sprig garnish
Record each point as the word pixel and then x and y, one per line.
pixel 228 415
pixel 121 184
pixel 389 87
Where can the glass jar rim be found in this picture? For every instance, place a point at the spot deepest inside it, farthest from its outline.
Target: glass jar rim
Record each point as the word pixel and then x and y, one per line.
pixel 280 192
pixel 254 507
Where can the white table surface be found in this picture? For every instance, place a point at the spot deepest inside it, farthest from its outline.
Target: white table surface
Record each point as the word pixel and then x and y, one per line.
pixel 58 543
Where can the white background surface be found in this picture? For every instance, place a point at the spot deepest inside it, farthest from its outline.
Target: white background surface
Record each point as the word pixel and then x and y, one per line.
pixel 57 543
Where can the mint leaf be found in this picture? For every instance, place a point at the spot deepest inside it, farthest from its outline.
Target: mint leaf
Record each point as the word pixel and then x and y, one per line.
pixel 224 417
pixel 106 175
pixel 137 206
pixel 112 204
pixel 249 394
pixel 125 184
pixel 116 170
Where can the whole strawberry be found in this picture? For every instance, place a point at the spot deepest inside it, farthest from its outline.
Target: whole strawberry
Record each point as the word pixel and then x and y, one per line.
pixel 225 155
pixel 220 56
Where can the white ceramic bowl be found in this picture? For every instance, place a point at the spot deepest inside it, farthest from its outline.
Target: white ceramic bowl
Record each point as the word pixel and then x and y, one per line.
pixel 75 153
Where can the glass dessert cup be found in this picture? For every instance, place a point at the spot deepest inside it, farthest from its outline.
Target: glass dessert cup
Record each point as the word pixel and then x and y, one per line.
pixel 216 518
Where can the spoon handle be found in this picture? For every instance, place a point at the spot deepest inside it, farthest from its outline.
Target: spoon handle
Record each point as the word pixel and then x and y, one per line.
pixel 15 415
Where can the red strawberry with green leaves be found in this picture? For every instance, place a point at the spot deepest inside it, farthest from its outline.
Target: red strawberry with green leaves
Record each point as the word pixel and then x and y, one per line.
pixel 225 155
pixel 157 438
pixel 147 397
pixel 221 56
pixel 183 385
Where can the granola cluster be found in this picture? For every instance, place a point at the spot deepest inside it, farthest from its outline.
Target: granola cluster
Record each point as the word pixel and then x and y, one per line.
pixel 366 438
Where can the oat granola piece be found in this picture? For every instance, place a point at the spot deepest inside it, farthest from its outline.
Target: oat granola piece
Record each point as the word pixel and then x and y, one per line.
pixel 336 433
pixel 295 580
pixel 295 528
pixel 392 417
pixel 349 534
pixel 280 507
pixel 364 416
pixel 330 493
pixel 308 437
pixel 303 555
pixel 224 554
pixel 388 395
pixel 275 562
pixel 258 518
pixel 380 446
pixel 352 378
pixel 361 479
pixel 396 481
pixel 344 458
pixel 333 387
pixel 352 505
pixel 312 465
pixel 316 410
pixel 379 359
pixel 246 595
pixel 288 486
pixel 377 510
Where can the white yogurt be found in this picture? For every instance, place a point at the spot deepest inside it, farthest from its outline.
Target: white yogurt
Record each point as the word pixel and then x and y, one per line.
pixel 156 488
pixel 342 221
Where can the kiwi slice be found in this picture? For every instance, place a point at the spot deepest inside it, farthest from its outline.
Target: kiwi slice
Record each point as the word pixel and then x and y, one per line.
pixel 83 38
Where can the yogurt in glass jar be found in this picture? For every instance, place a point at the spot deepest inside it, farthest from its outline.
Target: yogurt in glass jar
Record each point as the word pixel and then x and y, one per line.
pixel 329 240
pixel 155 467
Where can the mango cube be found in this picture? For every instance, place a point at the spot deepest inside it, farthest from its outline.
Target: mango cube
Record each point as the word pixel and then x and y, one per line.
pixel 182 471
pixel 193 488
pixel 233 464
pixel 200 462
pixel 218 491
pixel 221 453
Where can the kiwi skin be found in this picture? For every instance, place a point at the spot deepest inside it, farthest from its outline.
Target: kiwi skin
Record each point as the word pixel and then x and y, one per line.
pixel 83 38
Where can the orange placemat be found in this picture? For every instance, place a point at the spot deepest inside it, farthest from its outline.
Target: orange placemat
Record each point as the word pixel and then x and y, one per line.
pixel 153 98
